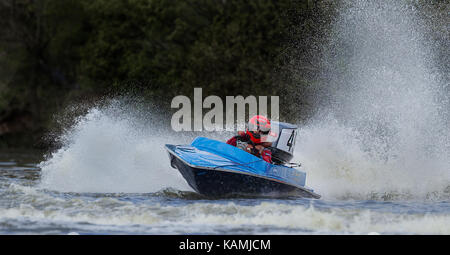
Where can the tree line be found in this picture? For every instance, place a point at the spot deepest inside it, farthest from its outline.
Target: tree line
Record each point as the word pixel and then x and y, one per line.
pixel 57 52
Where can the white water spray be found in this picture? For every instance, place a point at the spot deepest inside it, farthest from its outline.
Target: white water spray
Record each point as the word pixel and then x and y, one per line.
pixel 382 129
pixel 108 150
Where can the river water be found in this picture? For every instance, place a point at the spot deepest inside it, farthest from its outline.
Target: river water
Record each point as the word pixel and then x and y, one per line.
pixel 28 208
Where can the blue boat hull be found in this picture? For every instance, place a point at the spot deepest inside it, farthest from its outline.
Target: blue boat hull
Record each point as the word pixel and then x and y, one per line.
pixel 216 169
pixel 214 183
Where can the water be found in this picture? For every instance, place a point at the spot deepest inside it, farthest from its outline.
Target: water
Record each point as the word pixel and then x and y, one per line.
pixel 377 151
pixel 117 180
pixel 26 208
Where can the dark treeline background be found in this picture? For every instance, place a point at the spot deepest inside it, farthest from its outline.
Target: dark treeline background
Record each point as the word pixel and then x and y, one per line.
pixel 54 53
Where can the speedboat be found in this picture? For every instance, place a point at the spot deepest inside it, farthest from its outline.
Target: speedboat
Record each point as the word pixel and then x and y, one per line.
pixel 217 169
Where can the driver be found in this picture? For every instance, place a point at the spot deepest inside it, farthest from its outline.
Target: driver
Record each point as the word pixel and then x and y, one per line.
pixel 254 139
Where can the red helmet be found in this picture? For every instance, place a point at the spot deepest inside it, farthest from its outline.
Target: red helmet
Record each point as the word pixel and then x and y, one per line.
pixel 261 124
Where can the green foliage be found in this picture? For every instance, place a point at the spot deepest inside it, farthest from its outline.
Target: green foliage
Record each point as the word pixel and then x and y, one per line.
pixel 64 50
pixel 224 47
